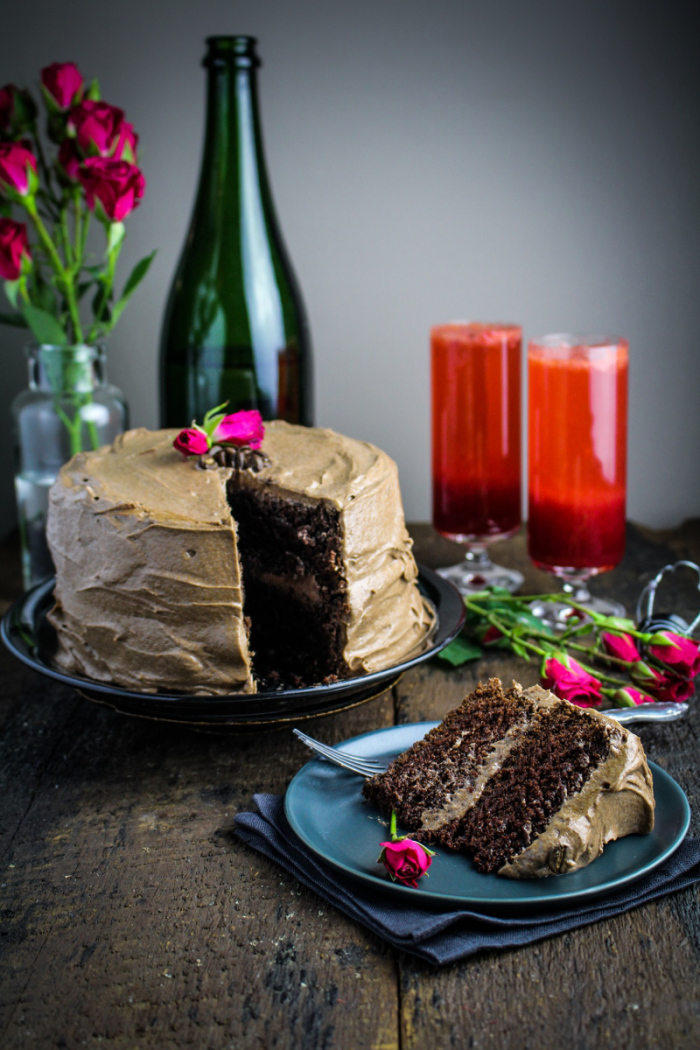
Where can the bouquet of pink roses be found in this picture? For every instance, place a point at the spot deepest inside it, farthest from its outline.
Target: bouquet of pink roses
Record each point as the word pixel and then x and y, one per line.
pixel 44 261
pixel 594 659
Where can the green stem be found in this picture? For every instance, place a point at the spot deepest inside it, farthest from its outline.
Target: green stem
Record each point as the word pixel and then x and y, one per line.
pixel 493 619
pixel 612 694
pixel 55 259
pixel 73 427
pixel 67 246
pixel 86 227
pixel 101 321
pixel 392 827
pixel 77 231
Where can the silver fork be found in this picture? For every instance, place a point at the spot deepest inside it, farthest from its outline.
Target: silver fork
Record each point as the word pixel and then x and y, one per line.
pixel 364 767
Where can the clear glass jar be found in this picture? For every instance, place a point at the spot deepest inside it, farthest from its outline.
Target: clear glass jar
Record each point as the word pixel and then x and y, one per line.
pixel 69 407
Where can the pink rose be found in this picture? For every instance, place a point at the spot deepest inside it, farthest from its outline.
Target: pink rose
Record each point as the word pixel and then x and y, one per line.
pixel 69 159
pixel 241 428
pixel 115 185
pixel 191 442
pixel 620 645
pixel 125 146
pixel 17 168
pixel 667 687
pixel 568 680
pixel 676 651
pixel 628 696
pixel 96 126
pixel 13 245
pixel 62 81
pixel 405 861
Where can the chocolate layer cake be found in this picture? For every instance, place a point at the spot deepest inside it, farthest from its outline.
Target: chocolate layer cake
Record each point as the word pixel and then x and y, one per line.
pixel 526 784
pixel 174 578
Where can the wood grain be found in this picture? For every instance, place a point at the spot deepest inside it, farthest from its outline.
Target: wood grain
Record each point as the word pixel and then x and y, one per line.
pixel 131 916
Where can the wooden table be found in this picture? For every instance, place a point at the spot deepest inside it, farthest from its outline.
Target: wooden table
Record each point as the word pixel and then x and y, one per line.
pixel 131 916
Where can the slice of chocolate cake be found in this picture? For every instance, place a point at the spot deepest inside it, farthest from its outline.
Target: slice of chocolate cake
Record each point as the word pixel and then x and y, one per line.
pixel 526 784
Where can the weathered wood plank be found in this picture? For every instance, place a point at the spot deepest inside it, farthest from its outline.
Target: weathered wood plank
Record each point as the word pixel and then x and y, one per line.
pixel 132 914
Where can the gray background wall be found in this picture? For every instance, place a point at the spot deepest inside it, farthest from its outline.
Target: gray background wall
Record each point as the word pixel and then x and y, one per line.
pixel 507 160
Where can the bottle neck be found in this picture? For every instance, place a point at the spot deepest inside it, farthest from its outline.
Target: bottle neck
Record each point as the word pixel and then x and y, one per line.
pixel 66 369
pixel 233 151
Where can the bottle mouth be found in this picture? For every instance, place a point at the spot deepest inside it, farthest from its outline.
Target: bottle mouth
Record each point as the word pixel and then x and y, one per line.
pixel 237 51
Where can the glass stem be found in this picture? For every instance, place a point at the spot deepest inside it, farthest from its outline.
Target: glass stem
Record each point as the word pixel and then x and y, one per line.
pixel 478 557
pixel 577 590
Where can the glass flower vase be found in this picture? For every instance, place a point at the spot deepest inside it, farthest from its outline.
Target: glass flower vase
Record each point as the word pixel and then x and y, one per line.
pixel 69 407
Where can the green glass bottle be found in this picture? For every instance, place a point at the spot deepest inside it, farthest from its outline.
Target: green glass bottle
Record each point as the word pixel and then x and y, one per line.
pixel 235 327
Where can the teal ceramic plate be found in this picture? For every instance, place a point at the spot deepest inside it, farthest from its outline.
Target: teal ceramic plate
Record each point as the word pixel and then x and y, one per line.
pixel 325 808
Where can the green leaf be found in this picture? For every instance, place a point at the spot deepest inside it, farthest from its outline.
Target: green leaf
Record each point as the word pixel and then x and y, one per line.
pixel 135 277
pixel 93 92
pixel 44 326
pixel 14 319
pixel 519 649
pixel 460 651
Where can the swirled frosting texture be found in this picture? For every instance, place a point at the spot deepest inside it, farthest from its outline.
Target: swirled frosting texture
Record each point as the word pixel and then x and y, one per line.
pixel 616 800
pixel 149 593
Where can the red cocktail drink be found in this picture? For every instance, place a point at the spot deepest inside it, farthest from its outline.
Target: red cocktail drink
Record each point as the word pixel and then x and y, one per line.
pixel 476 430
pixel 577 454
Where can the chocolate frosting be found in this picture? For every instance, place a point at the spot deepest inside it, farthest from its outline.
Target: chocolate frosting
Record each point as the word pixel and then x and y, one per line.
pixel 149 591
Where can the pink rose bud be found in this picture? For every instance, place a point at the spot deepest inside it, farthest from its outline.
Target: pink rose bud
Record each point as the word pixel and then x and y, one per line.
pixel 96 126
pixel 676 651
pixel 126 143
pixel 241 428
pixel 113 188
pixel 568 680
pixel 628 696
pixel 405 861
pixel 620 645
pixel 62 81
pixel 642 673
pixel 14 244
pixel 191 442
pixel 17 169
pixel 667 687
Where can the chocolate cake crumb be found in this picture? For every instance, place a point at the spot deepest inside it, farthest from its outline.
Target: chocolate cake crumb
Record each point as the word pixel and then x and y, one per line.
pixel 295 593
pixel 489 779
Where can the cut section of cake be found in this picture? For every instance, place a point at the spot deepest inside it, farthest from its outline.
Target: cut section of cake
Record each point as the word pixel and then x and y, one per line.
pixel 524 783
pixel 170 577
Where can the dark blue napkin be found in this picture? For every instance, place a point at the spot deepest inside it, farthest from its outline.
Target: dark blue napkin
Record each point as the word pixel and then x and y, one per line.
pixel 446 936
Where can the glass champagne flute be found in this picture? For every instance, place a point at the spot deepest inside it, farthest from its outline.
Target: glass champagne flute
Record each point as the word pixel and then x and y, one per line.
pixel 577 406
pixel 476 467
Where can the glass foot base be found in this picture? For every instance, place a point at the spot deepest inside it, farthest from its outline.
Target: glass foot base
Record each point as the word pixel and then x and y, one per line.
pixel 559 616
pixel 469 578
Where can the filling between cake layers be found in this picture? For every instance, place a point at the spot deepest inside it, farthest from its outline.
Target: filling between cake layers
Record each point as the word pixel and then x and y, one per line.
pixel 557 754
pixel 295 589
pixel 432 783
